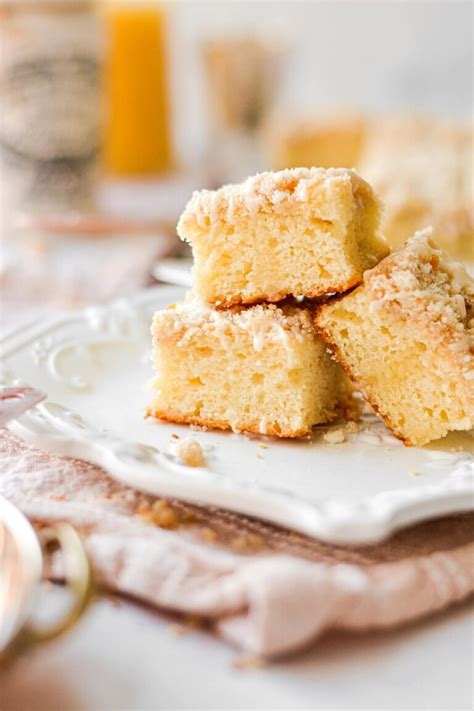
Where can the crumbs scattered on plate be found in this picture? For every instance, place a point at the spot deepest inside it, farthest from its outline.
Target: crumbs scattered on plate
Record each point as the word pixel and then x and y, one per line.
pixel 189 451
pixel 339 435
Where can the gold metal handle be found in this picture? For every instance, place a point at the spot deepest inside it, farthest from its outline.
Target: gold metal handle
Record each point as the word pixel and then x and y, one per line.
pixel 77 577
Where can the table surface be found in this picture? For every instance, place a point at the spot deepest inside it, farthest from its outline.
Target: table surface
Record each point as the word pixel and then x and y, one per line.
pixel 123 657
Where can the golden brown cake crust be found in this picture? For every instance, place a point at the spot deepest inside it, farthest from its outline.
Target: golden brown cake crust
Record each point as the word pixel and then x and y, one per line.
pixel 244 426
pixel 223 302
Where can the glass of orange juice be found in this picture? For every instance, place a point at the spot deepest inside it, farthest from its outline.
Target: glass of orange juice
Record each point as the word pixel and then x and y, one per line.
pixel 137 141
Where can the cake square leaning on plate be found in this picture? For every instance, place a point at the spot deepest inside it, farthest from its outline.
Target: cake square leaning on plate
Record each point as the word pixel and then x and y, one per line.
pixel 406 338
pixel 262 369
pixel 302 232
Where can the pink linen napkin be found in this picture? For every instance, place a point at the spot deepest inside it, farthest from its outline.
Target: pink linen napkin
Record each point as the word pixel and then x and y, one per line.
pixel 266 590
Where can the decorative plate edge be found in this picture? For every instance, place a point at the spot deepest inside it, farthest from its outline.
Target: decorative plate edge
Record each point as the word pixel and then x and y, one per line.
pixel 59 430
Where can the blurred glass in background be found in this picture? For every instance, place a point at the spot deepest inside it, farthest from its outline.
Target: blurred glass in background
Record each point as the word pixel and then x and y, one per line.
pixel 242 79
pixel 50 106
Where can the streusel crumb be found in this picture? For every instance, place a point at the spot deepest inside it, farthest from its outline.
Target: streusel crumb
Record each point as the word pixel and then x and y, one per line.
pixel 190 451
pixel 335 436
pixel 160 514
pixel 208 534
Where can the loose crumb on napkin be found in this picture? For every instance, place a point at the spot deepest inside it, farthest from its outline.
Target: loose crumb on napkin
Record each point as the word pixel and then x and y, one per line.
pixel 246 542
pixel 248 662
pixel 208 534
pixel 160 514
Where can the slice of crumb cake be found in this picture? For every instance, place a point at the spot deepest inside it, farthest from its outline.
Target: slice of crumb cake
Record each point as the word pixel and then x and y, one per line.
pixel 262 369
pixel 300 232
pixel 406 338
pixel 423 170
pixel 329 140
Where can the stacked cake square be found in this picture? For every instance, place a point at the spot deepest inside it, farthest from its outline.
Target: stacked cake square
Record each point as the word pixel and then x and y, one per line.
pixel 293 292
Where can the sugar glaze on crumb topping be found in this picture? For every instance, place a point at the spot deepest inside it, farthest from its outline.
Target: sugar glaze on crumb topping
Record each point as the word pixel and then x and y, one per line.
pixel 263 322
pixel 264 192
pixel 423 279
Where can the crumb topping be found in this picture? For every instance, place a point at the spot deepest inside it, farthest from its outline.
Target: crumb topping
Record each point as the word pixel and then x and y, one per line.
pixel 263 193
pixel 437 170
pixel 420 275
pixel 263 322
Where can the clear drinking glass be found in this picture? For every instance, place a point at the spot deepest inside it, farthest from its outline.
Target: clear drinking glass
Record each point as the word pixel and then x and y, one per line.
pixel 50 106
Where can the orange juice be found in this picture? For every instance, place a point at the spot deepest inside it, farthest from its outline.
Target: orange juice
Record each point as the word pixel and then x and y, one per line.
pixel 137 138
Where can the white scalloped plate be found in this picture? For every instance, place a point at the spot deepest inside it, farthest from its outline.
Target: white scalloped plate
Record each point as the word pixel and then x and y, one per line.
pixel 94 364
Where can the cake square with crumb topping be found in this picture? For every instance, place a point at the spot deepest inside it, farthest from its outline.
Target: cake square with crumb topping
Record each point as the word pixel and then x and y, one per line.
pixel 261 369
pixel 328 140
pixel 406 338
pixel 302 232
pixel 423 170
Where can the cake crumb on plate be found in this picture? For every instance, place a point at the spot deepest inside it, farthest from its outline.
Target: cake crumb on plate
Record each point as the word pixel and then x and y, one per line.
pixel 335 436
pixel 190 452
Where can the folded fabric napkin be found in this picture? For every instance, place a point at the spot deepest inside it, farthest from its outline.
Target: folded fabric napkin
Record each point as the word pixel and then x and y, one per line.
pixel 265 589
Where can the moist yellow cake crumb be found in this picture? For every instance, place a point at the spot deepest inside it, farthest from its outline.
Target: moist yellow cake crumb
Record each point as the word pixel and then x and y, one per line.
pixel 262 369
pixel 302 232
pixel 190 452
pixel 406 338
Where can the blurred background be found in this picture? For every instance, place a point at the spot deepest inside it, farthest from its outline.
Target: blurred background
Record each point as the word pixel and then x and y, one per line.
pixel 112 112
pixel 376 56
